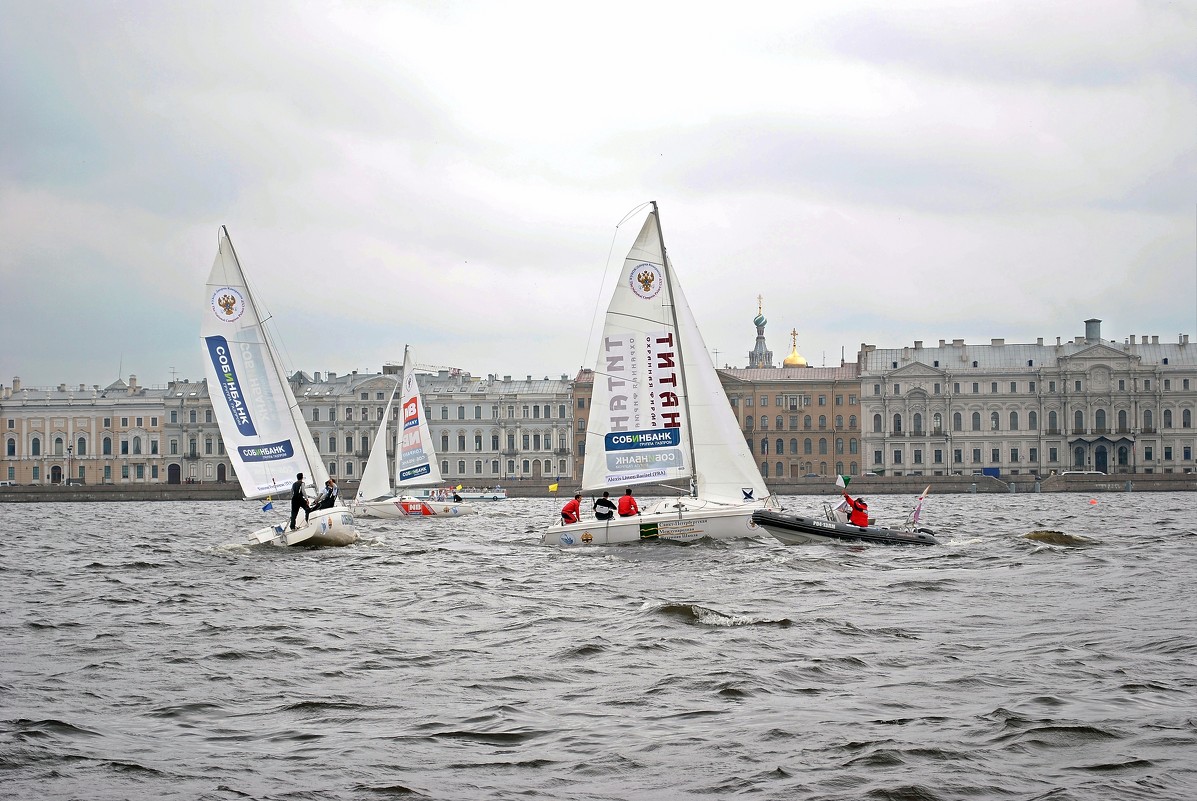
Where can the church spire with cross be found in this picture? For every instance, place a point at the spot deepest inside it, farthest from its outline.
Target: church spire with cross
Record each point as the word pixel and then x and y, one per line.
pixel 760 355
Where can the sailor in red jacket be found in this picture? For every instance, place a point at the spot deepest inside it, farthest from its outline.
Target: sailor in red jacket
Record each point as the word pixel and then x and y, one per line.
pixel 859 516
pixel 571 510
pixel 627 504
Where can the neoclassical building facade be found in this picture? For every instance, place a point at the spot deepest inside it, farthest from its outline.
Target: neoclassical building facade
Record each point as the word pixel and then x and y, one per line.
pixel 1005 409
pixel 1011 409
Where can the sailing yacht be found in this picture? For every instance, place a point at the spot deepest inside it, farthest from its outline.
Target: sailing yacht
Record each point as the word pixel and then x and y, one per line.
pixel 267 439
pixel 415 463
pixel 659 414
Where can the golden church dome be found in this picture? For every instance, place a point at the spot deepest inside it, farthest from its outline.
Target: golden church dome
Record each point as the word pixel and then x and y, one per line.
pixel 795 359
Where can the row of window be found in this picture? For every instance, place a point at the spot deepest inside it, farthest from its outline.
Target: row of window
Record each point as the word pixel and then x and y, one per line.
pixel 808 446
pixel 12 422
pixel 1078 421
pixel 807 422
pixel 480 467
pixel 137 471
pixel 536 413
pixel 791 402
pixel 1079 454
pixel 59 448
pixel 1051 387
pixel 796 470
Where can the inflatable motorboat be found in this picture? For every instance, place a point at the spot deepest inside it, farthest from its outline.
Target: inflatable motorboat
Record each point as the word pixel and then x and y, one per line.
pixel 793 529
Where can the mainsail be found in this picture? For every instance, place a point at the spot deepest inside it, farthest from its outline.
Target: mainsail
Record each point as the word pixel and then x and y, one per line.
pixel 265 435
pixel 658 411
pixel 415 458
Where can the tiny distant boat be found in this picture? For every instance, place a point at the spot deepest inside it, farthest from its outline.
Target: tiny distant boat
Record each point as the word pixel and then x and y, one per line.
pixel 260 422
pixel 443 494
pixel 415 463
pixel 798 530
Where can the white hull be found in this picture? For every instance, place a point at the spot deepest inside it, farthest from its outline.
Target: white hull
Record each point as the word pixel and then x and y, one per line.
pixel 326 527
pixel 686 520
pixel 407 506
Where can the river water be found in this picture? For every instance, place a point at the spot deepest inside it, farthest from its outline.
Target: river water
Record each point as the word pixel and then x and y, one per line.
pixel 144 655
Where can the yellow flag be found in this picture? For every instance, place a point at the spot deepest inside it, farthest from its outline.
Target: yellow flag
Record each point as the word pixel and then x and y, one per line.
pixel 552 488
pixel 458 487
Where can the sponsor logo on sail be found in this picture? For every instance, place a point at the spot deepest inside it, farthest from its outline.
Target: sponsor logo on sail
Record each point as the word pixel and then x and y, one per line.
pixel 415 472
pixel 269 452
pixel 645 280
pixel 228 304
pixel 226 373
pixel 635 440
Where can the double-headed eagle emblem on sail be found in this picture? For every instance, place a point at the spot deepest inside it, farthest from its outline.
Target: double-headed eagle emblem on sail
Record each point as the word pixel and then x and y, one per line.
pixel 227 304
pixel 645 280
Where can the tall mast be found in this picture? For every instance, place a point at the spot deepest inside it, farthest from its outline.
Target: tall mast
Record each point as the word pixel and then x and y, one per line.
pixel 315 460
pixel 677 338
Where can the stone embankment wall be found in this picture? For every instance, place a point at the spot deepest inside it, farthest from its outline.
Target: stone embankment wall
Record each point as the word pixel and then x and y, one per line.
pixel 864 485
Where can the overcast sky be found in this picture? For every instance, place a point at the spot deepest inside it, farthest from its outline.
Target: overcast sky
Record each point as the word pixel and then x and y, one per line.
pixel 451 174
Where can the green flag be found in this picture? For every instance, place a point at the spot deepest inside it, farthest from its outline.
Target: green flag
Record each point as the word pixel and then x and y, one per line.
pixel 843 481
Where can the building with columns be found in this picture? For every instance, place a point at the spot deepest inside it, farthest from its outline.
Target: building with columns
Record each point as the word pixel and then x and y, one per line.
pixel 486 431
pixel 497 430
pixel 1010 409
pixel 82 434
pixel 1007 409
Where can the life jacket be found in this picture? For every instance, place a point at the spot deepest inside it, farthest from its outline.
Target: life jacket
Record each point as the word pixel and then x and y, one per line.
pixel 627 506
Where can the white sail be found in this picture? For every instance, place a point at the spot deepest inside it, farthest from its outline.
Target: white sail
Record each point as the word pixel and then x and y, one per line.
pixel 415 458
pixel 376 478
pixel 267 440
pixel 638 430
pixel 724 467
pixel 658 410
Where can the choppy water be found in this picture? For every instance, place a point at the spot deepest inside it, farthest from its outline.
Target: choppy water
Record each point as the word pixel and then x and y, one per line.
pixel 144 657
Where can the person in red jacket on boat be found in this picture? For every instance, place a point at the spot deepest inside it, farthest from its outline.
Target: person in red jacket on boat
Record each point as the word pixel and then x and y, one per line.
pixel 571 510
pixel 859 514
pixel 627 504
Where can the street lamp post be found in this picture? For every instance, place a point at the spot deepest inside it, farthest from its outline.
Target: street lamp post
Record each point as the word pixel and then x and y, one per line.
pixel 70 449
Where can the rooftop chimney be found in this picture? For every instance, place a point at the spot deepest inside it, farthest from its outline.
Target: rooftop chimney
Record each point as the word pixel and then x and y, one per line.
pixel 1093 330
